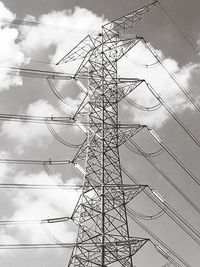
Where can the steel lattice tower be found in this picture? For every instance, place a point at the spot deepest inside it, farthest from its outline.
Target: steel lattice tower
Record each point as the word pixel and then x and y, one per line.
pixel 103 233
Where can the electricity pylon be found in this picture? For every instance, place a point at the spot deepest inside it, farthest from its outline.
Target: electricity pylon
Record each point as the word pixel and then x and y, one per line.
pixel 103 232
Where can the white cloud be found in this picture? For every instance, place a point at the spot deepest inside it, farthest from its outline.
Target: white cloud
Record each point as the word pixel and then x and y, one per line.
pixel 42 108
pixel 61 30
pixel 6 169
pixel 71 28
pixel 71 108
pixel 5 13
pixel 43 204
pixel 6 237
pixel 10 53
pixel 161 82
pixel 37 205
pixel 26 133
pixel 62 42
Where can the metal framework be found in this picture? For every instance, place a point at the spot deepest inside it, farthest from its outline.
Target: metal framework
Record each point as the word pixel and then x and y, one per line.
pixel 103 233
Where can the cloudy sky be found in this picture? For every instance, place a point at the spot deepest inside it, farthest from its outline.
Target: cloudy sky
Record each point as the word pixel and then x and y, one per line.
pixel 62 25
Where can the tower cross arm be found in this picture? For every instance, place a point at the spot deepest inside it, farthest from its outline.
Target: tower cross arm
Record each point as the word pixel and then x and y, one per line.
pixel 80 51
pixel 126 23
pixel 126 86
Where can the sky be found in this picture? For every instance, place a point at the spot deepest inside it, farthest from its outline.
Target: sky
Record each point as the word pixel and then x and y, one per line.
pixel 63 25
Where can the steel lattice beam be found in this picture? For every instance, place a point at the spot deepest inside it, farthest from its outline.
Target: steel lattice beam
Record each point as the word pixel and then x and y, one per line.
pixel 103 233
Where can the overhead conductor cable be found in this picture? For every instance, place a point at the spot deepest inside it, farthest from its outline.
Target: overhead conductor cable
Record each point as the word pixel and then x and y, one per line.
pixel 35 162
pixel 153 52
pixel 49 220
pixel 178 28
pixel 165 176
pixel 165 246
pixel 183 126
pixel 177 218
pixel 168 150
pixel 174 215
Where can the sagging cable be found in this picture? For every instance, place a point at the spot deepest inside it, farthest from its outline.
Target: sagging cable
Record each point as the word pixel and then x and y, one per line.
pixel 148 217
pixel 177 218
pixel 153 52
pixel 58 95
pixel 164 245
pixel 151 154
pixel 141 107
pixel 162 203
pixel 53 177
pixel 57 137
pixel 51 235
pixel 177 119
pixel 142 65
pixel 166 255
pixel 176 159
pixel 164 175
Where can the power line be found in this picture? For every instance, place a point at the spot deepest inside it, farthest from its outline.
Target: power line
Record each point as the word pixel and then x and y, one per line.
pixel 37 119
pixel 148 217
pixel 178 28
pixel 141 64
pixel 41 62
pixel 177 119
pixel 52 176
pixel 58 138
pixel 19 22
pixel 36 73
pixel 141 107
pixel 43 221
pixel 58 95
pixel 58 245
pixel 159 200
pixel 147 154
pixel 39 186
pixel 173 214
pixel 165 246
pixel 104 211
pixel 60 121
pixel 154 53
pixel 176 217
pixel 35 162
pixel 176 159
pixel 165 176
pixel 50 234
pixel 163 103
pixel 35 246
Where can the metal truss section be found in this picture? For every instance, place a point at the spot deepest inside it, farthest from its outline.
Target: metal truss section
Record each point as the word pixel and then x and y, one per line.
pixel 125 132
pixel 115 250
pixel 121 43
pixel 78 52
pixel 126 23
pixel 125 88
pixel 103 232
pixel 130 192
